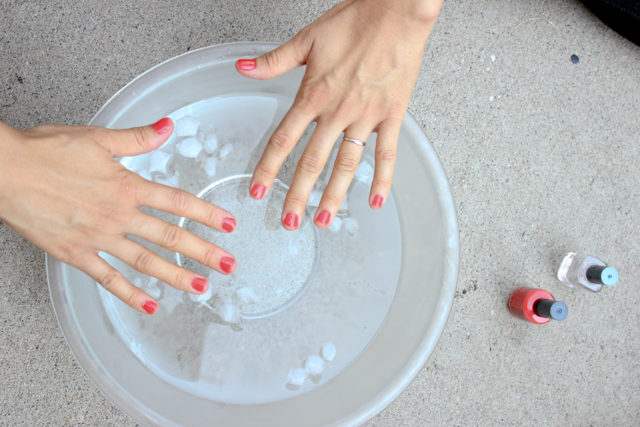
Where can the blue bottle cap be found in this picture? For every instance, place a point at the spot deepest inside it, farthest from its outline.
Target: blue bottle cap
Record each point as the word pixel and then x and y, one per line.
pixel 602 274
pixel 551 309
pixel 559 310
pixel 609 276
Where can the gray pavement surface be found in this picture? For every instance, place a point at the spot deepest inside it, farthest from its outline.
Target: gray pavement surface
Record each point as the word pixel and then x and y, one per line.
pixel 543 157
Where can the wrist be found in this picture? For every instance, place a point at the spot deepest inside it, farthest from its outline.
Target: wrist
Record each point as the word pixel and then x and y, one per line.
pixel 423 12
pixel 7 134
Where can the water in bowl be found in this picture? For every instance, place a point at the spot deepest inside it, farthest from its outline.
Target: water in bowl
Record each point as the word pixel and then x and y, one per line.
pixel 292 292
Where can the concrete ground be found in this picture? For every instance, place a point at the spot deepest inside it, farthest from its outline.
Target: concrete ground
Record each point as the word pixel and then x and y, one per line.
pixel 542 154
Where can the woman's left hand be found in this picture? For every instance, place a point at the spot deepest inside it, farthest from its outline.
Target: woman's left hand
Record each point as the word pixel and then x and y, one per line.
pixel 362 58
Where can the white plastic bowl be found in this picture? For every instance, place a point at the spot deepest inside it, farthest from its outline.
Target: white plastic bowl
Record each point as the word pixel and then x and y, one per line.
pixel 382 296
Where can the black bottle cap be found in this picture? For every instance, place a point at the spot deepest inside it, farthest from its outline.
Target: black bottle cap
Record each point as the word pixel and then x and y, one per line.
pixel 551 309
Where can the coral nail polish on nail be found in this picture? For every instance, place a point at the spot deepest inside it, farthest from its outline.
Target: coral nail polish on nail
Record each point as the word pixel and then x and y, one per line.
pixel 227 264
pixel 162 126
pixel 198 284
pixel 228 224
pixel 150 306
pixel 257 191
pixel 323 218
pixel 291 221
pixel 377 201
pixel 246 64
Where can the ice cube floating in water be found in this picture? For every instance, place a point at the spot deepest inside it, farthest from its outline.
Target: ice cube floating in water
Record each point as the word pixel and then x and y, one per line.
pixel 313 365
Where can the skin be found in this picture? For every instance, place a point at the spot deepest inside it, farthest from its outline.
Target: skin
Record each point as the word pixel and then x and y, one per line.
pixel 362 59
pixel 61 188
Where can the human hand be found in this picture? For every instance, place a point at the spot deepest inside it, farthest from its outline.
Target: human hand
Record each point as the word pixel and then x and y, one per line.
pixel 362 58
pixel 61 189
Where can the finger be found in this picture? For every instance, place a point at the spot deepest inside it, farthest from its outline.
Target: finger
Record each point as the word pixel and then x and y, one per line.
pixel 386 147
pixel 177 239
pixel 134 141
pixel 344 169
pixel 113 281
pixel 148 262
pixel 278 61
pixel 309 167
pixel 278 148
pixel 182 203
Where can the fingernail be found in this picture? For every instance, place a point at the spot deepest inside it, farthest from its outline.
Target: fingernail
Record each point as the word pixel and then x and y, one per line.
pixel 291 221
pixel 150 306
pixel 162 126
pixel 323 218
pixel 377 201
pixel 246 64
pixel 199 284
pixel 227 264
pixel 257 191
pixel 228 224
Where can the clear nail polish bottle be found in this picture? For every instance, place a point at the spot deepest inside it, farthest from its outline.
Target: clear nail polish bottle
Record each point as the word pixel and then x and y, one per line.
pixel 587 271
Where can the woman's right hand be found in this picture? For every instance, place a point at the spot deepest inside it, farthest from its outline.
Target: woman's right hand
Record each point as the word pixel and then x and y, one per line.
pixel 61 189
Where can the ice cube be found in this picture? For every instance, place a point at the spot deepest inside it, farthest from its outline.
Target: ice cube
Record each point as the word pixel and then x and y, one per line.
pixel 336 224
pixel 170 180
pixel 169 146
pixel 351 225
pixel 314 198
pixel 190 147
pixel 186 126
pixel 296 245
pixel 210 166
pixel 171 298
pixel 297 376
pixel 365 171
pixel 229 312
pixel 211 143
pixel 158 161
pixel 135 163
pixel 328 351
pixel 202 297
pixel 225 150
pixel 314 365
pixel 145 174
pixel 154 290
pixel 247 295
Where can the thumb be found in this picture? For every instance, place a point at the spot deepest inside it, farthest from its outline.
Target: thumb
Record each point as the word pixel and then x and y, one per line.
pixel 276 62
pixel 138 140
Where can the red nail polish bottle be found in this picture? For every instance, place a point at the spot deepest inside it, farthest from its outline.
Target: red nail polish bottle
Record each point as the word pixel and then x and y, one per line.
pixel 536 305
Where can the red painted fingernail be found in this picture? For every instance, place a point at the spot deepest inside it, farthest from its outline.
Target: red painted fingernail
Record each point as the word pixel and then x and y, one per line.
pixel 257 191
pixel 228 224
pixel 150 306
pixel 246 64
pixel 323 218
pixel 162 126
pixel 377 201
pixel 291 221
pixel 199 284
pixel 227 264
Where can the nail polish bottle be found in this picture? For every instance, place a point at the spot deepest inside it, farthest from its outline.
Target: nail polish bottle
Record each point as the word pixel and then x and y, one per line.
pixel 536 305
pixel 587 271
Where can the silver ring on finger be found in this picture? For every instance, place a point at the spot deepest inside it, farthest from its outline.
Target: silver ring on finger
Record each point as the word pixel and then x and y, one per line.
pixel 355 141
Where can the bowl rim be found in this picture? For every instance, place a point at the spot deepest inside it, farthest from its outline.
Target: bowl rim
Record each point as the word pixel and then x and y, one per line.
pixel 127 403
